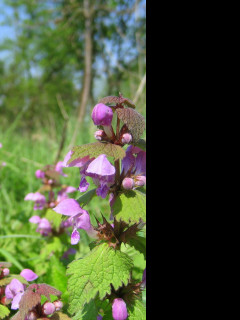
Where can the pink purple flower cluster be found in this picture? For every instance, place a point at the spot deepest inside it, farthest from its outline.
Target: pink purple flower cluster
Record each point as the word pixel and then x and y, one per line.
pixel 15 290
pixel 42 202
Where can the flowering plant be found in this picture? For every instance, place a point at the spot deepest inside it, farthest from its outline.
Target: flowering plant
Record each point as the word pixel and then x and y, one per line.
pixel 104 284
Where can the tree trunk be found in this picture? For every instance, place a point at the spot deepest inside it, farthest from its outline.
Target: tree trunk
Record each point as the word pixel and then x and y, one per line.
pixel 87 71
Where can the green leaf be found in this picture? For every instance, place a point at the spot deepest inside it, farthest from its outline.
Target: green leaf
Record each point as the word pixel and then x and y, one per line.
pixel 54 218
pixel 95 149
pixel 95 273
pixel 137 311
pixel 56 274
pixel 54 245
pixel 4 311
pixel 89 312
pixel 130 206
pixel 84 199
pixel 139 243
pixel 133 120
pixel 141 144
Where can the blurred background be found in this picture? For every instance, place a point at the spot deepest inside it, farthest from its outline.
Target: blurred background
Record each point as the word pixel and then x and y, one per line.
pixel 57 59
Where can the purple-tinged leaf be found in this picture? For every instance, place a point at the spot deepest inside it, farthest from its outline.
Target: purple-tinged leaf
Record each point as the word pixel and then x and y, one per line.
pixel 134 121
pixel 95 149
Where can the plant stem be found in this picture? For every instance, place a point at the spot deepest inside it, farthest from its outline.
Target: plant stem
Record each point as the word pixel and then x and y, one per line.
pixel 117 175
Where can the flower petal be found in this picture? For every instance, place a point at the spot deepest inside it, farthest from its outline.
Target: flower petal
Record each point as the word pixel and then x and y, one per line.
pixel 68 207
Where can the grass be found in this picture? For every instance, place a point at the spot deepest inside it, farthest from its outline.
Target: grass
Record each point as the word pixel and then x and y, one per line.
pixel 23 155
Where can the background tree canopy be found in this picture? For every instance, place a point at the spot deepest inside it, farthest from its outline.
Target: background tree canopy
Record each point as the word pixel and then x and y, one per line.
pixel 61 56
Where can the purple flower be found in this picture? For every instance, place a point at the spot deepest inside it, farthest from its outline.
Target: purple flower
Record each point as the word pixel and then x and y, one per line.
pixel 59 167
pixel 29 275
pixel 0 145
pixel 134 167
pixel 40 174
pixel 79 162
pixel 103 174
pixel 44 226
pixel 99 317
pixel 62 194
pixel 68 252
pixel 14 291
pixel 119 309
pixel 78 217
pixel 102 115
pixel 38 198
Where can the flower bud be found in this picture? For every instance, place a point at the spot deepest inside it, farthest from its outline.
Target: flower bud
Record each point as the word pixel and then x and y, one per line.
pixel 99 134
pixel 140 181
pixel 128 183
pixel 58 305
pixel 40 174
pixel 102 115
pixel 32 315
pixel 126 138
pixel 119 309
pixel 5 272
pixel 48 308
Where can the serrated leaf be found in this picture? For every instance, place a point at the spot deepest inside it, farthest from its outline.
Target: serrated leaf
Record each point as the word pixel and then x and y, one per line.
pixel 117 100
pixel 89 312
pixel 133 120
pixel 6 280
pixel 95 273
pixel 84 199
pixel 46 290
pixel 93 150
pixel 4 311
pixel 130 206
pixel 137 311
pixel 60 316
pixel 28 301
pixel 54 218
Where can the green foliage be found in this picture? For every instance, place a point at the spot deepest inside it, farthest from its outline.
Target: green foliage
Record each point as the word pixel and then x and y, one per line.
pixel 4 311
pixel 84 199
pixel 95 274
pixel 97 148
pixel 130 206
pixel 89 312
pixel 54 218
